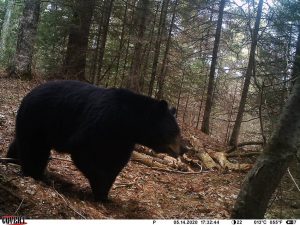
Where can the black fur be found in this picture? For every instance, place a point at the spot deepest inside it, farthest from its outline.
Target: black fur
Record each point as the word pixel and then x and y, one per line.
pixel 98 127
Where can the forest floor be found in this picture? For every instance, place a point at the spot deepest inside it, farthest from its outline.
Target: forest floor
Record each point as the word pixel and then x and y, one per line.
pixel 139 192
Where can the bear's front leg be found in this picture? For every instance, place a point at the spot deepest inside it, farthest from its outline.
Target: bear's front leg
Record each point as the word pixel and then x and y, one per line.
pixel 101 183
pixel 101 177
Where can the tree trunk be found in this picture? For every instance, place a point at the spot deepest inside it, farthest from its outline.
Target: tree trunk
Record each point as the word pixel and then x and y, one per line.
pixel 131 27
pixel 204 69
pixel 148 51
pixel 121 44
pixel 237 125
pixel 263 179
pixel 230 114
pixel 210 87
pixel 26 39
pixel 179 94
pixel 140 23
pixel 93 69
pixel 75 59
pixel 296 66
pixel 123 80
pixel 108 5
pixel 163 71
pixel 161 27
pixel 5 28
pixel 185 109
pixel 3 15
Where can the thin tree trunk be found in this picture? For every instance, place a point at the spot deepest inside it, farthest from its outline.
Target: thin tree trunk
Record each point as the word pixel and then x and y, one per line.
pixel 96 53
pixel 108 5
pixel 148 50
pixel 26 39
pixel 75 59
pixel 210 87
pixel 5 28
pixel 202 98
pixel 125 64
pixel 179 95
pixel 121 44
pixel 163 72
pixel 230 114
pixel 2 18
pixel 287 86
pixel 185 110
pixel 161 27
pixel 202 92
pixel 205 71
pixel 261 95
pixel 296 66
pixel 140 22
pixel 264 177
pixel 200 109
pixel 131 27
pixel 237 125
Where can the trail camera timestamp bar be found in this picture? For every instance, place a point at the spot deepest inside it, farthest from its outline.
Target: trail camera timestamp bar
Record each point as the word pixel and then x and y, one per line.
pixel 265 222
pixel 236 222
pixel 153 222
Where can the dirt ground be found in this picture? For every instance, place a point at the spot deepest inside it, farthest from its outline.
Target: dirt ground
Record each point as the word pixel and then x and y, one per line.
pixel 139 192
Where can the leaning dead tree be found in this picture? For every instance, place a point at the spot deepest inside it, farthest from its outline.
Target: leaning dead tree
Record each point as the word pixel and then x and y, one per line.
pixel 264 177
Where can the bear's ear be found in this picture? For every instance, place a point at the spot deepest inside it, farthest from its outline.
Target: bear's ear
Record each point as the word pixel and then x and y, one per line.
pixel 163 104
pixel 162 107
pixel 173 111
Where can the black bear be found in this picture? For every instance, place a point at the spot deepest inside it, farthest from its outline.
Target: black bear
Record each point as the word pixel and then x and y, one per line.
pixel 98 127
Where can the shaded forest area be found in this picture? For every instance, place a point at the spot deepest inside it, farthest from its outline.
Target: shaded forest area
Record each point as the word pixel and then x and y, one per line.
pixel 229 68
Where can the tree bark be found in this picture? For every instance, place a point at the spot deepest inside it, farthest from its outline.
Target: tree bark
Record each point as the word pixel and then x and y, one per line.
pixel 237 125
pixel 75 59
pixel 204 70
pixel 148 49
pixel 210 87
pixel 128 42
pixel 179 94
pixel 121 43
pixel 230 114
pixel 161 27
pixel 296 66
pixel 140 23
pixel 163 71
pixel 123 80
pixel 94 65
pixel 103 28
pixel 5 28
pixel 26 39
pixel 185 109
pixel 263 179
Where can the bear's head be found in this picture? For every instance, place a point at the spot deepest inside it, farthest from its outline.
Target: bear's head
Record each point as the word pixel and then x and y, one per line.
pixel 163 132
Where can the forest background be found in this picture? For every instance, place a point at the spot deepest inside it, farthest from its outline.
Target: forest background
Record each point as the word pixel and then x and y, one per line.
pixel 188 52
pixel 227 66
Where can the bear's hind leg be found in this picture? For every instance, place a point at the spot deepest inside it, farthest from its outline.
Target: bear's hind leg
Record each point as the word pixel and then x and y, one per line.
pixel 13 151
pixel 34 160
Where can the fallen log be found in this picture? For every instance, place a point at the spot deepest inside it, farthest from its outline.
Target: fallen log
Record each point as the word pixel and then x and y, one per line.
pixel 243 154
pixel 244 144
pixel 207 161
pixel 221 158
pixel 166 162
